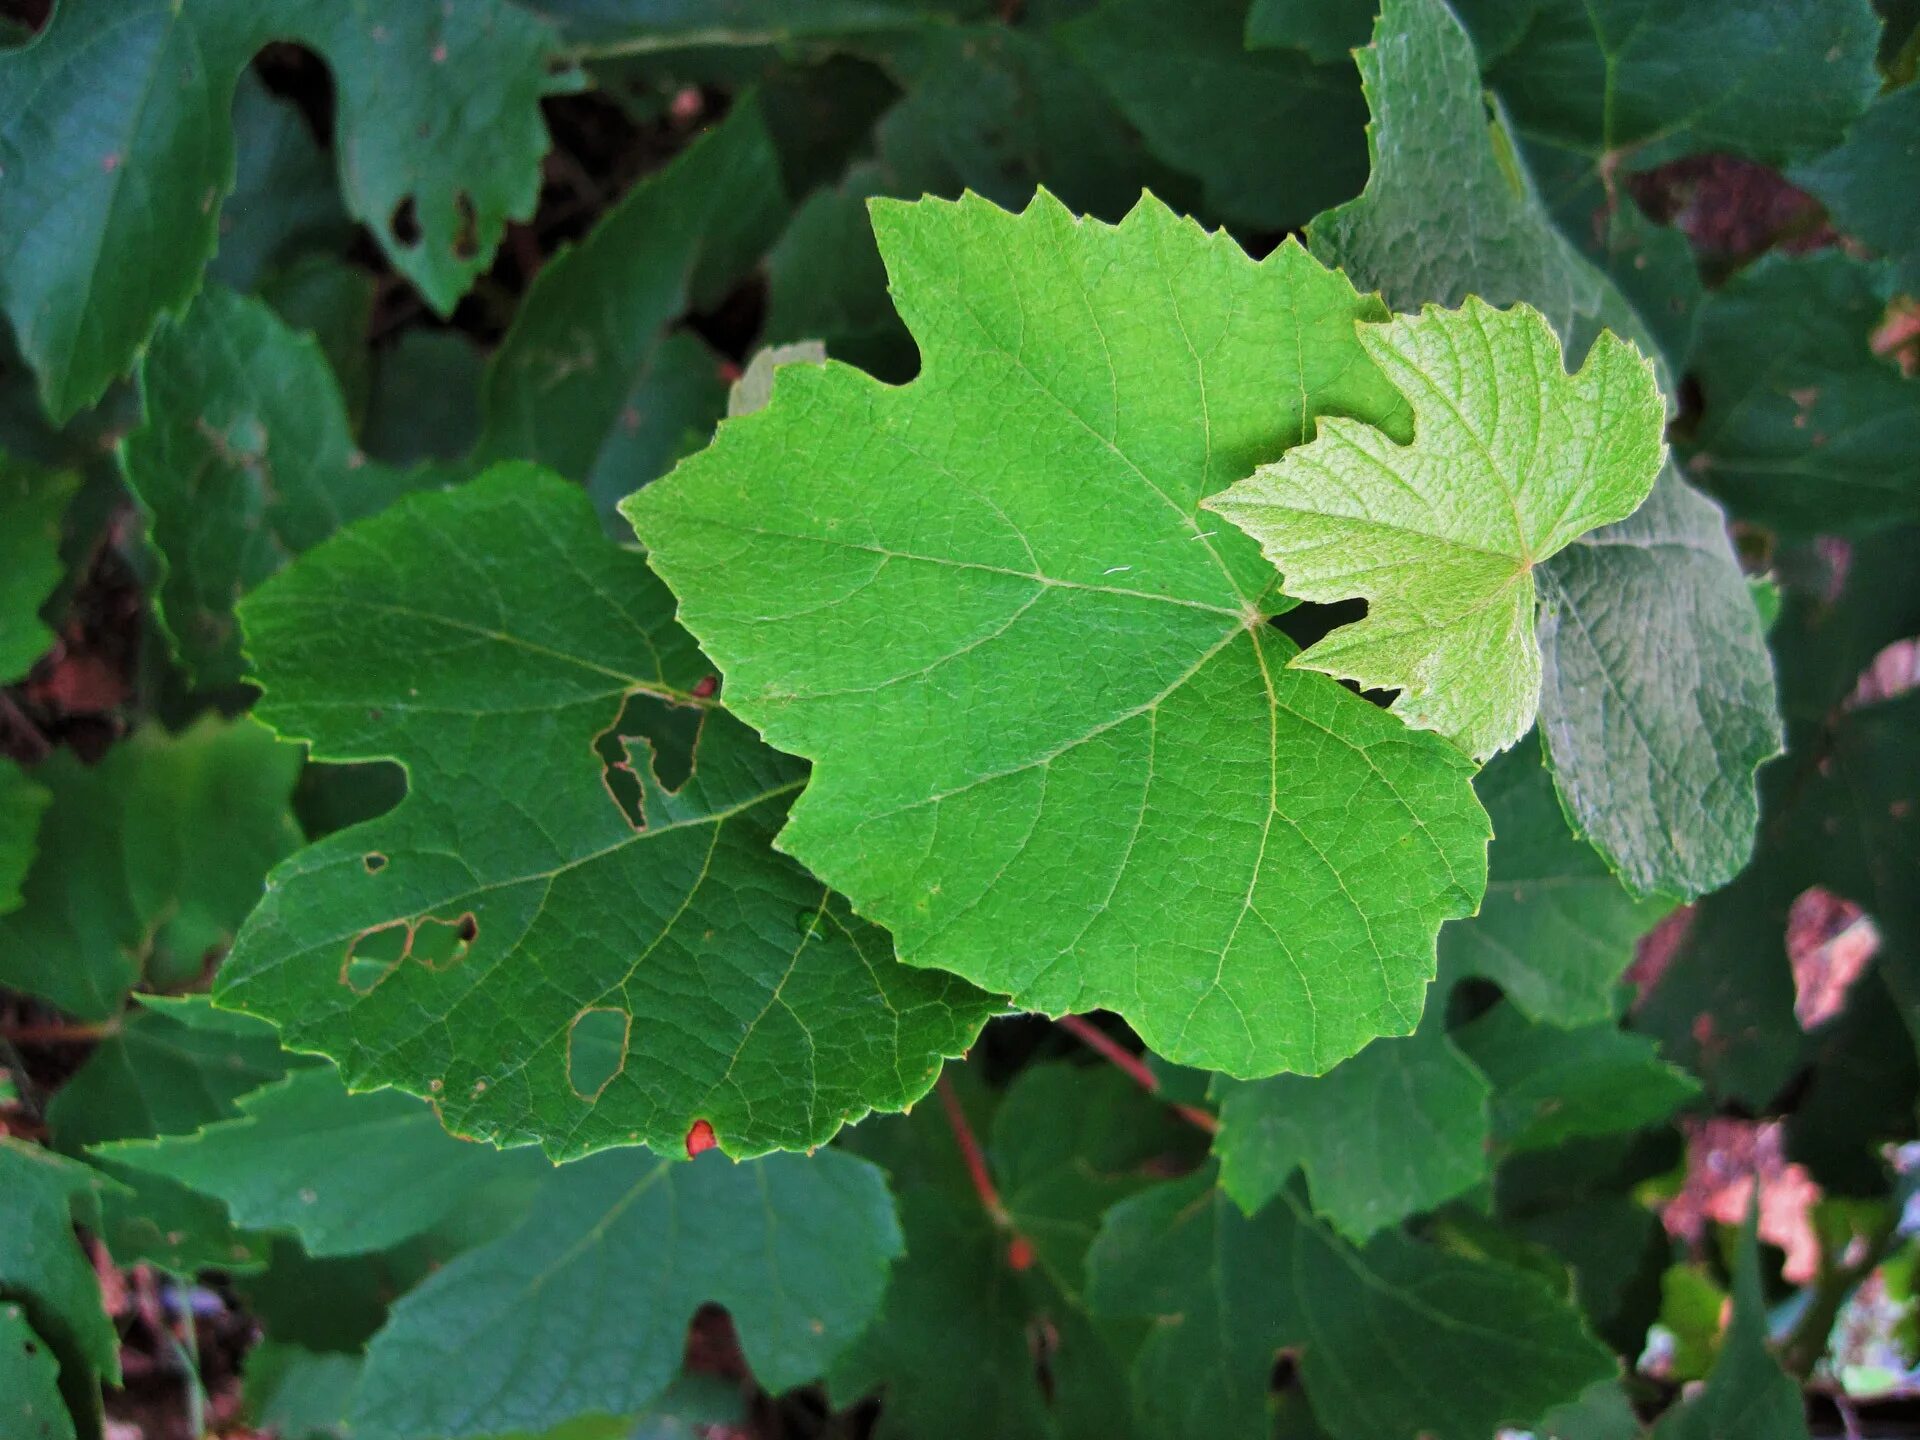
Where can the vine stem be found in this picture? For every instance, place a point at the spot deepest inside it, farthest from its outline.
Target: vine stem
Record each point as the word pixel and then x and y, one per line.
pixel 1133 1067
pixel 1019 1248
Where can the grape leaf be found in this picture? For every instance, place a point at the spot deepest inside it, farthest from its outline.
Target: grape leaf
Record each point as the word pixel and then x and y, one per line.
pixel 1400 1128
pixel 29 1381
pixel 31 506
pixel 285 199
pixel 1551 1085
pixel 1021 523
pixel 1398 1339
pixel 21 805
pixel 1435 154
pixel 637 27
pixel 345 1173
pixel 1511 460
pixel 171 1066
pixel 1747 1396
pixel 1328 30
pixel 1803 427
pixel 513 942
pixel 1855 182
pixel 1212 108
pixel 43 1267
pixel 424 403
pixel 245 459
pixel 588 379
pixel 148 862
pixel 1556 929
pixel 118 147
pixel 620 1251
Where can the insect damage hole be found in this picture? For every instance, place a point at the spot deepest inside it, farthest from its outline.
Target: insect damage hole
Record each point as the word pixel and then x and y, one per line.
pixel 436 943
pixel 404 223
pixel 597 1049
pixel 653 732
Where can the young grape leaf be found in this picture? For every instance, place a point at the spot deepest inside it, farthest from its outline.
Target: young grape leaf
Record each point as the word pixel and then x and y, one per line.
pixel 1511 460
pixel 1103 786
pixel 29 1382
pixel 43 1267
pixel 21 804
pixel 1212 108
pixel 620 1250
pixel 1747 1396
pixel 589 380
pixel 1400 1128
pixel 1855 182
pixel 245 459
pixel 31 506
pixel 1435 154
pixel 117 144
pixel 1803 427
pixel 1550 1085
pixel 1556 929
pixel 1396 1340
pixel 170 1067
pixel 148 861
pixel 553 937
pixel 345 1173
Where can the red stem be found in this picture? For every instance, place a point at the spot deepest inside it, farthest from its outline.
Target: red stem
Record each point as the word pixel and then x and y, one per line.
pixel 970 1151
pixel 1132 1066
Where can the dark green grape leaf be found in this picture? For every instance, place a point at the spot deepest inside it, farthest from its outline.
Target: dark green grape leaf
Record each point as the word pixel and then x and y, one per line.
pixel 43 1267
pixel 1398 1129
pixel 1802 426
pixel 1550 1085
pixel 552 941
pixel 1609 77
pixel 1616 1248
pixel 1328 30
pixel 1396 1340
pixel 1435 154
pixel 331 300
pixel 1556 929
pixel 118 147
pixel 424 399
pixel 1747 1395
pixel 1859 182
pixel 637 27
pixel 589 379
pixel 826 282
pixel 245 460
pixel 21 804
pixel 1861 1096
pixel 299 1394
pixel 620 1251
pixel 346 1174
pixel 32 504
pixel 1602 1412
pixel 1096 753
pixel 168 1068
pixel 148 862
pixel 285 200
pixel 30 1399
pixel 1273 136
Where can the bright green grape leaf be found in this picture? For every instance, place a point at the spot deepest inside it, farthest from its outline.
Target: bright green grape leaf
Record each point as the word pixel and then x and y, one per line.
pixel 245 460
pixel 1802 426
pixel 1104 787
pixel 148 861
pixel 1511 460
pixel 29 1382
pixel 620 1251
pixel 346 1174
pixel 1857 182
pixel 1396 1340
pixel 544 938
pixel 118 147
pixel 43 1267
pixel 21 804
pixel 589 380
pixel 1328 30
pixel 32 504
pixel 1556 929
pixel 1659 777
pixel 1607 78
pixel 168 1068
pixel 285 198
pixel 1747 1395
pixel 1274 137
pixel 1436 154
pixel 1550 1085
pixel 1398 1129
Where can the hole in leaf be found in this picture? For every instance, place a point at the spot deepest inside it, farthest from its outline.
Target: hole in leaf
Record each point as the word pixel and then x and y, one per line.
pixel 404 223
pixel 374 861
pixel 466 234
pixel 435 943
pixel 651 732
pixel 596 1049
pixel 1308 624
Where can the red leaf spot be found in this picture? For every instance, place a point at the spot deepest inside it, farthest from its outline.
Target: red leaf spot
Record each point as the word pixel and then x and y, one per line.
pixel 1020 1253
pixel 700 1138
pixel 440 54
pixel 110 162
pixel 707 685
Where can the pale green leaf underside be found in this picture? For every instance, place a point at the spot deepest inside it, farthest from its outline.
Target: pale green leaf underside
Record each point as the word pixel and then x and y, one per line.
pixel 1056 750
pixel 1512 459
